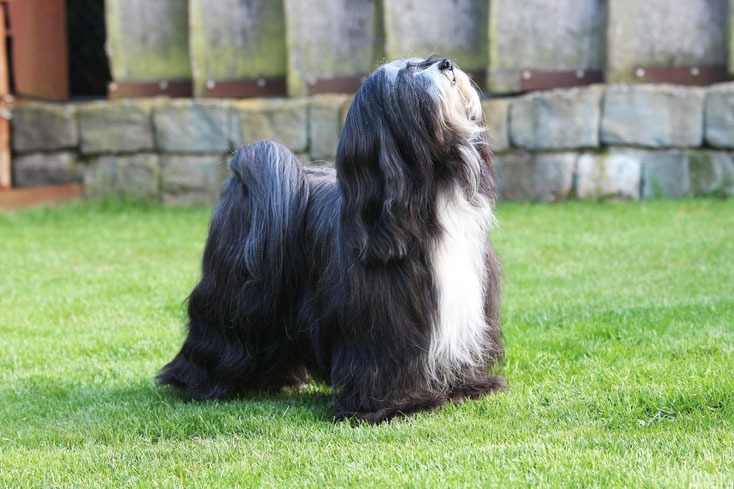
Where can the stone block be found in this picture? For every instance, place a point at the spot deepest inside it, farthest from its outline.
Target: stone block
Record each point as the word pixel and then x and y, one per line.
pixel 556 119
pixel 148 40
pixel 665 174
pixel 653 116
pixel 331 39
pixel 135 176
pixel 282 120
pixel 122 126
pixel 192 180
pixel 304 158
pixel 542 35
pixel 41 169
pixel 192 126
pixel 497 113
pixel 43 127
pixel 237 40
pixel 719 112
pixel 652 33
pixel 539 177
pixel 320 163
pixel 711 172
pixel 325 124
pixel 616 174
pixel 454 29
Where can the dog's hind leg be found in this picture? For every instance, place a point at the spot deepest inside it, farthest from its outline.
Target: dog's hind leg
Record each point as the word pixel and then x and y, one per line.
pixel 241 331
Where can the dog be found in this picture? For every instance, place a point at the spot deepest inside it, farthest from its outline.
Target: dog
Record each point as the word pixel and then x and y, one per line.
pixel 378 278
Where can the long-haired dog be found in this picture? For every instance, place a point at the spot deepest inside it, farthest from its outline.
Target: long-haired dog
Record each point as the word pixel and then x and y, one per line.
pixel 378 278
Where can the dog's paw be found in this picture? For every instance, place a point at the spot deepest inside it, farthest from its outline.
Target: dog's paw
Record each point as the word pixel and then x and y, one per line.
pixel 370 417
pixel 474 387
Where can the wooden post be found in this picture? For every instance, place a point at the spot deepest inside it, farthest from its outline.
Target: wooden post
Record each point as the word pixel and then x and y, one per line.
pixel 5 179
pixel 40 58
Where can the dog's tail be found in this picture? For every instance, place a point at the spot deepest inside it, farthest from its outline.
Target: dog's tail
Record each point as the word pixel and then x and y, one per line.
pixel 241 313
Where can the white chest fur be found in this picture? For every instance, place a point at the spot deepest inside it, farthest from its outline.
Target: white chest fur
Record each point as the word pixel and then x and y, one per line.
pixel 460 270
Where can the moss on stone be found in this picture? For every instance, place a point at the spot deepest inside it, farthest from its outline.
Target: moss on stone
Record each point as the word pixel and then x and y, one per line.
pixel 148 41
pixel 329 39
pixel 255 40
pixel 455 29
pixel 694 35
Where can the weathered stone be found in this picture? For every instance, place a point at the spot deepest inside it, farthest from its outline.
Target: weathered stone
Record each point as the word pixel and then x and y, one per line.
pixel 192 126
pixel 454 28
pixel 135 176
pixel 542 35
pixel 282 120
pixel 556 119
pixel 540 177
pixel 148 41
pixel 40 169
pixel 653 116
pixel 44 127
pixel 237 40
pixel 304 157
pixel 122 126
pixel 497 113
pixel 665 174
pixel 326 121
pixel 553 175
pixel 711 172
pixel 727 183
pixel 320 163
pixel 306 160
pixel 139 176
pixel 720 116
pixel 330 39
pixel 651 33
pixel 192 180
pixel 616 174
pixel 100 177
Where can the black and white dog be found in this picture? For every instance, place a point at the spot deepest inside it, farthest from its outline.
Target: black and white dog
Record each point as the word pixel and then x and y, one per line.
pixel 379 278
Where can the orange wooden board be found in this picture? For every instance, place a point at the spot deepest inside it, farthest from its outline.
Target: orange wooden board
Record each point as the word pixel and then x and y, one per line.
pixel 21 198
pixel 39 54
pixel 5 174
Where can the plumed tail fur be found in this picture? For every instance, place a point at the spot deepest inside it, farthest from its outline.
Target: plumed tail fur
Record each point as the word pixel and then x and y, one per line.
pixel 241 331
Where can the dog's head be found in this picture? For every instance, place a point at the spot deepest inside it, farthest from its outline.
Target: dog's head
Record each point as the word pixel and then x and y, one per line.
pixel 415 127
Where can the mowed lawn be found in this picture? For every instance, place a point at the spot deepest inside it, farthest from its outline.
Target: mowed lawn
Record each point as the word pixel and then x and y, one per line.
pixel 619 330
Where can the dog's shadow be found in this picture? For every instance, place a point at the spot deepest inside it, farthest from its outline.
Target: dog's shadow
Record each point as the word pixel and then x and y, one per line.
pixel 145 410
pixel 252 413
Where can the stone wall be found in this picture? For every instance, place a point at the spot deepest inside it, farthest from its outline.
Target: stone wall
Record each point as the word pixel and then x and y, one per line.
pixel 616 141
pixel 251 48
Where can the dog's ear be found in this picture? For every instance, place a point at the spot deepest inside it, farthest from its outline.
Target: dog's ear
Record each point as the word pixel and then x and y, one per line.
pixel 383 177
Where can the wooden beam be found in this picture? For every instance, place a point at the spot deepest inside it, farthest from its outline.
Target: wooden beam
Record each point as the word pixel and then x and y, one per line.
pixel 40 57
pixel 5 173
pixel 21 198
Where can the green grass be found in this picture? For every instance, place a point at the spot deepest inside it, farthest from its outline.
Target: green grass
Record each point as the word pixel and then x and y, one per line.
pixel 619 328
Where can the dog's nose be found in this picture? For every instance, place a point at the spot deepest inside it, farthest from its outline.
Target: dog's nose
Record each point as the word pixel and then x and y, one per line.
pixel 444 64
